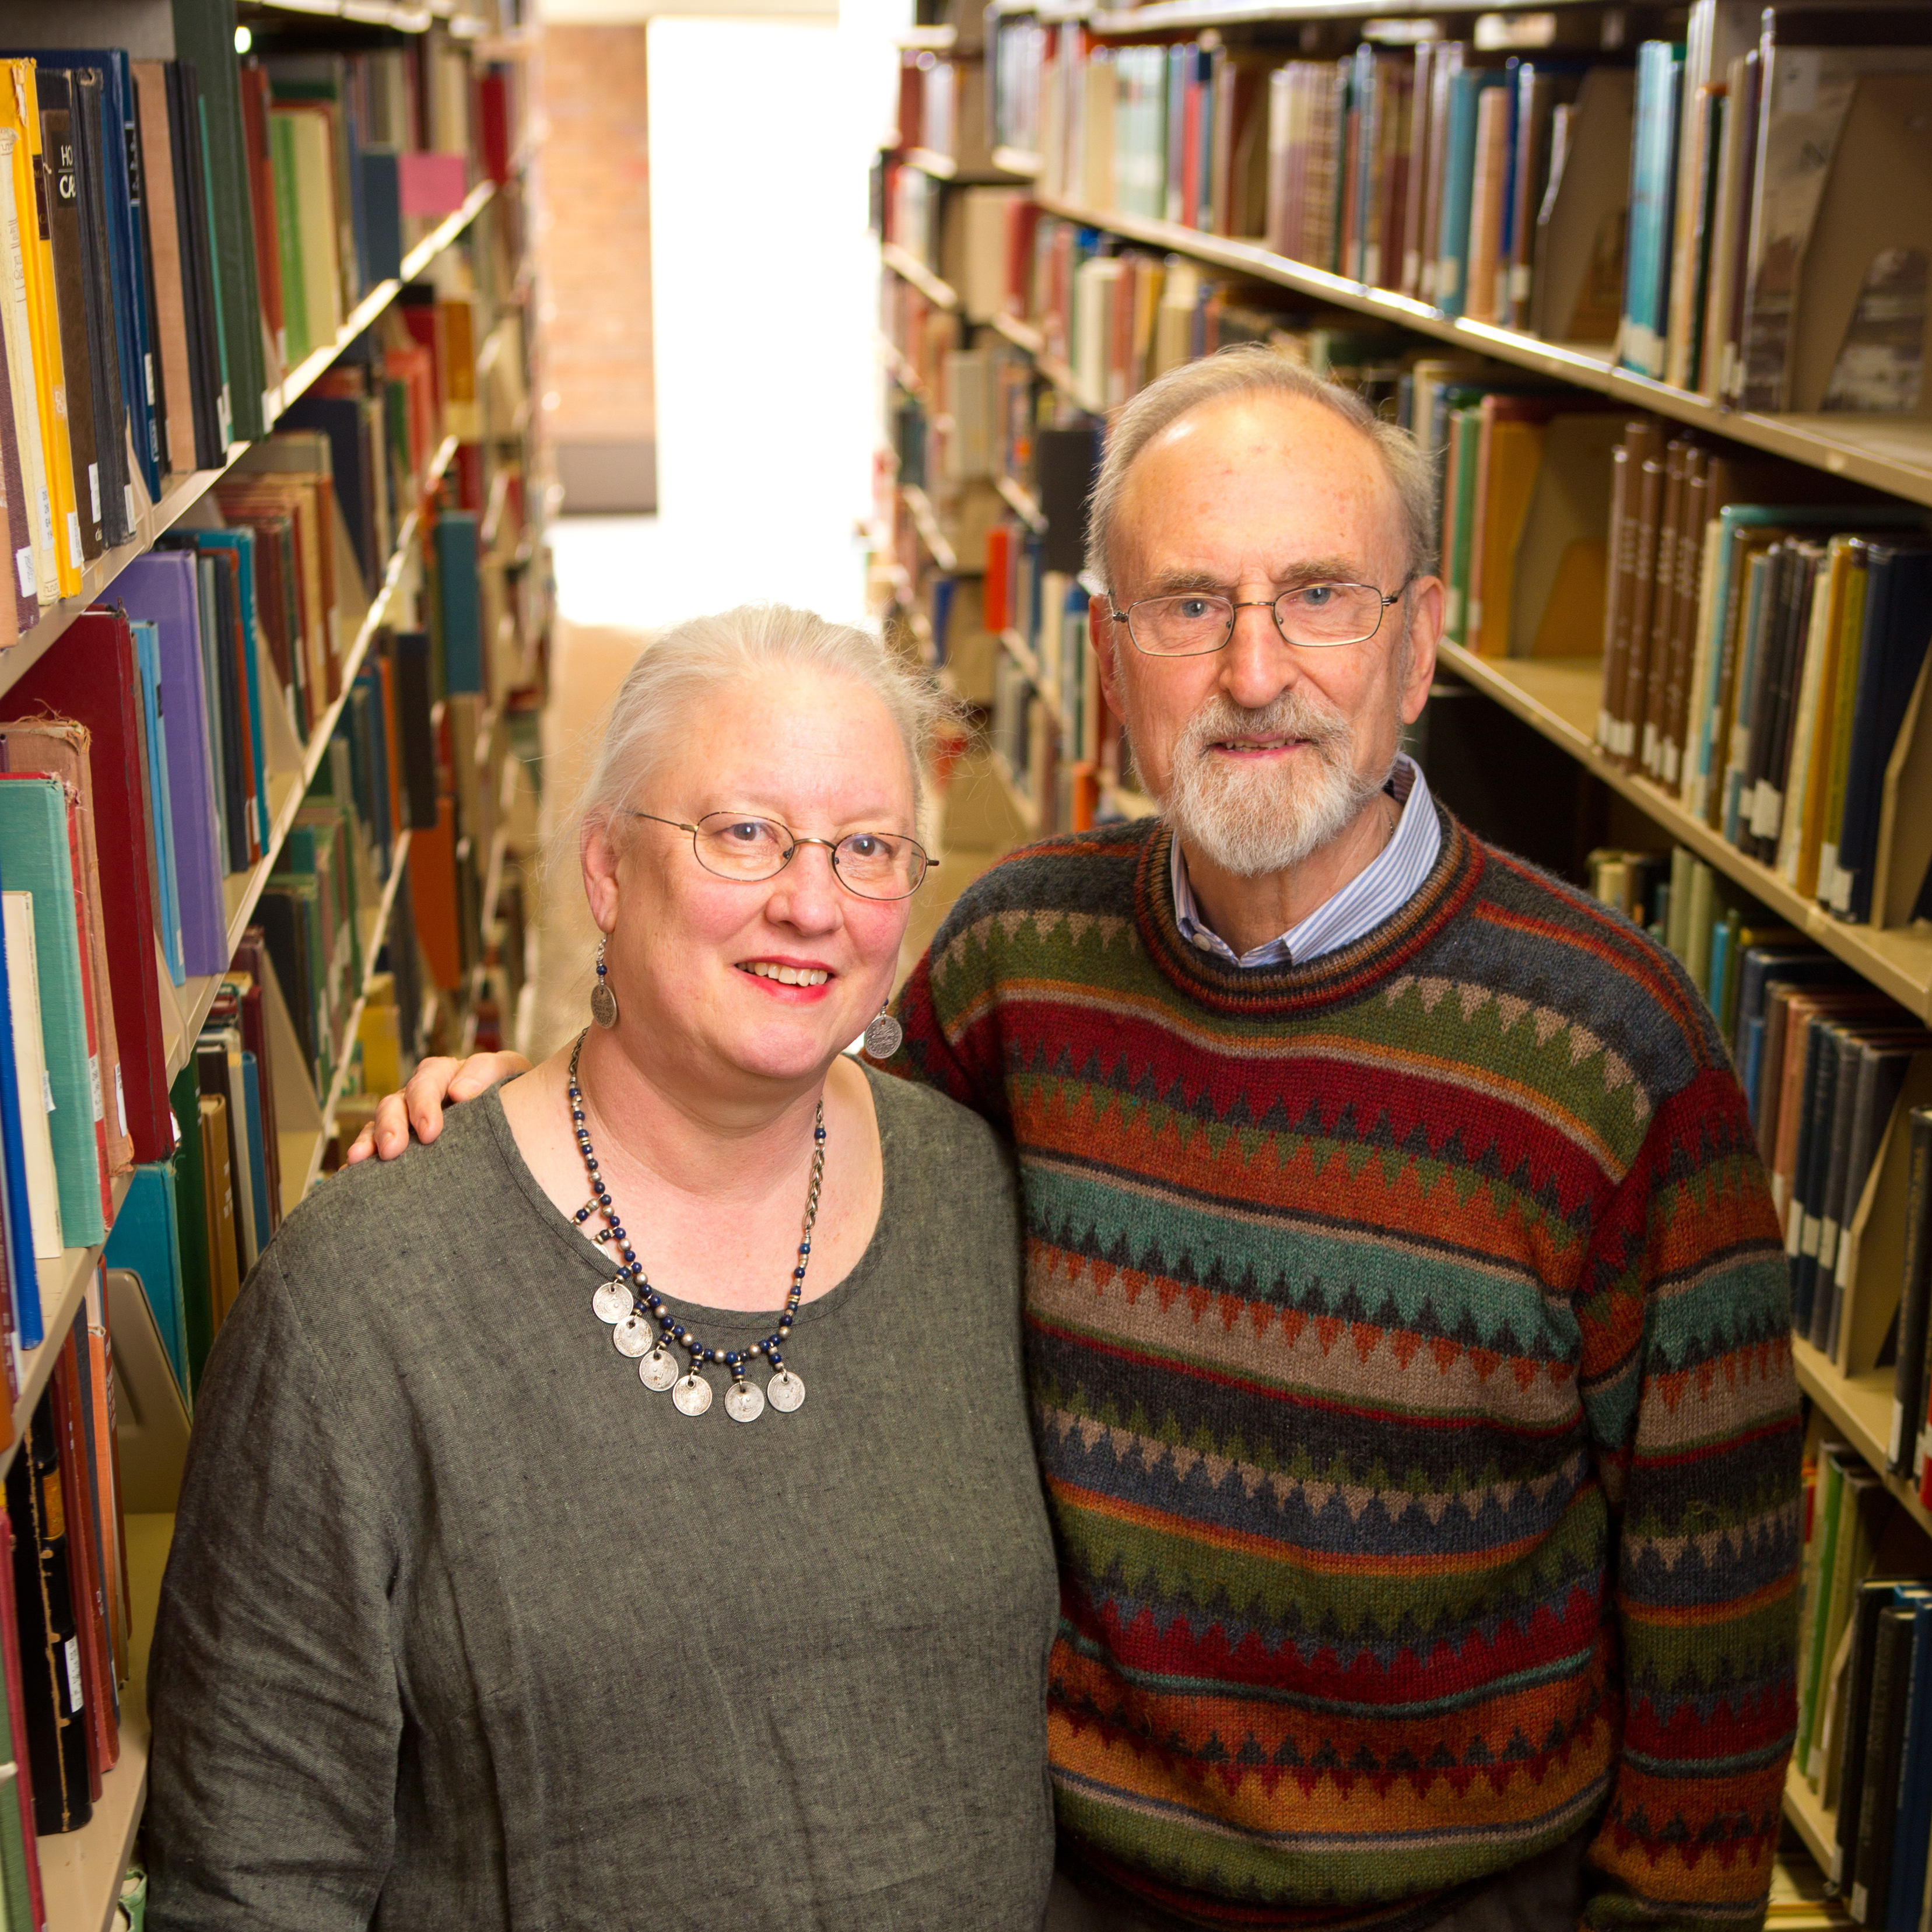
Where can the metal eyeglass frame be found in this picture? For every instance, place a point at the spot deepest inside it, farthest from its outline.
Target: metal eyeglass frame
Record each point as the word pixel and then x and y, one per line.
pixel 798 839
pixel 1236 606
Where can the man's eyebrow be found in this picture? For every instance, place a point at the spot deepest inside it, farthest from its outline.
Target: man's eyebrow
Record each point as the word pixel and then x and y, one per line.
pixel 1309 570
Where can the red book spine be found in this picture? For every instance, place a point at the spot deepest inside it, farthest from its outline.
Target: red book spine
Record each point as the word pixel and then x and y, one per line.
pixel 997 618
pixel 17 1698
pixel 494 95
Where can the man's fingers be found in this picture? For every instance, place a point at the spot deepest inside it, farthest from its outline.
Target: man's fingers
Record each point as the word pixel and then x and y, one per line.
pixel 482 1071
pixel 362 1146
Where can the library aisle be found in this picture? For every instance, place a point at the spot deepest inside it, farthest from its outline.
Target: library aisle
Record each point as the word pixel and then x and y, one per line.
pixel 378 377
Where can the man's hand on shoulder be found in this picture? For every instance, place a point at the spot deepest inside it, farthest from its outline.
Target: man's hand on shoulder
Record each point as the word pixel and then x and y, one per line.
pixel 437 1082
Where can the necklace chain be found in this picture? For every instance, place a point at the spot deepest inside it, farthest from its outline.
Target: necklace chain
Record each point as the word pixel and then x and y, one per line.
pixel 630 1304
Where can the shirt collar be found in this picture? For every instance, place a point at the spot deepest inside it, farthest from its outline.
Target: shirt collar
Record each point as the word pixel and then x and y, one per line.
pixel 1386 884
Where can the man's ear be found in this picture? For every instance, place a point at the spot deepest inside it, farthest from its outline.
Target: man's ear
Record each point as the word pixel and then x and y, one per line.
pixel 1424 633
pixel 1105 634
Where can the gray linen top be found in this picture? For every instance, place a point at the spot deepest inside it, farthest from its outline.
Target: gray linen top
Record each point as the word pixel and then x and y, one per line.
pixel 462 1628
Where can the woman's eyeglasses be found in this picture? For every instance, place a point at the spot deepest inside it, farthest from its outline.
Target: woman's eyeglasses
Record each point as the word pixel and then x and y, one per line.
pixel 873 865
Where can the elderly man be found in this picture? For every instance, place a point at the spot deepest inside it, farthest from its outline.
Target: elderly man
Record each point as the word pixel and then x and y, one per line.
pixel 1408 1324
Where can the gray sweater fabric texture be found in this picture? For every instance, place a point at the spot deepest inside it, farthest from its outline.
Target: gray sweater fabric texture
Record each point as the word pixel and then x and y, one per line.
pixel 463 1627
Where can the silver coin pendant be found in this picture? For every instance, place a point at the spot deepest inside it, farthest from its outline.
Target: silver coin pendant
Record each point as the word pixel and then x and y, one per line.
pixel 744 1402
pixel 692 1394
pixel 657 1370
pixel 603 1005
pixel 614 1300
pixel 632 1336
pixel 785 1391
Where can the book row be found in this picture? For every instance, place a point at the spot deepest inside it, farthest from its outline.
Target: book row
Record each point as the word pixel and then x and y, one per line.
pixel 152 773
pixel 1838 1079
pixel 1864 1679
pixel 122 325
pixel 1763 661
pixel 1737 212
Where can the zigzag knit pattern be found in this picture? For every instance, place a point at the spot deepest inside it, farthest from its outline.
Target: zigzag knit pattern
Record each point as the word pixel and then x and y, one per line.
pixel 1410 1358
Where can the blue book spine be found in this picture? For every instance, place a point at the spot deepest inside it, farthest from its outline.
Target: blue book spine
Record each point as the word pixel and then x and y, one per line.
pixel 1720 962
pixel 23 1281
pixel 146 1240
pixel 1636 232
pixel 1458 183
pixel 457 584
pixel 1204 149
pixel 382 214
pixel 242 542
pixel 1753 1062
pixel 1913 1822
pixel 1180 62
pixel 1363 86
pixel 147 656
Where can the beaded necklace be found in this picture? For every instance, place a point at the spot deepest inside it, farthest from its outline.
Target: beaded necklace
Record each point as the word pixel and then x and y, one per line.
pixel 629 1303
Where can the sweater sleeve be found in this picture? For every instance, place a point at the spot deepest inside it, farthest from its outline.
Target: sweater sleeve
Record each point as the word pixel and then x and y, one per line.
pixel 1688 1385
pixel 277 1715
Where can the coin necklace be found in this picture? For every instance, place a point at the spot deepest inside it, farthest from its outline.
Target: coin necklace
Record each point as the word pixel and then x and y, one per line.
pixel 629 1303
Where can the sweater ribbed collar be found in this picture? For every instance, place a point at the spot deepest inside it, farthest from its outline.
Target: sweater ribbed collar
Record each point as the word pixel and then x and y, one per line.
pixel 1259 991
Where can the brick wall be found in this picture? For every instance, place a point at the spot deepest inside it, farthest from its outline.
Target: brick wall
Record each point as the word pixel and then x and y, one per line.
pixel 596 256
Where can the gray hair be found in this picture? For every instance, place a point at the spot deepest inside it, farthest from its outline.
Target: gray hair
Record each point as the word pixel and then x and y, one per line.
pixel 1253 368
pixel 687 663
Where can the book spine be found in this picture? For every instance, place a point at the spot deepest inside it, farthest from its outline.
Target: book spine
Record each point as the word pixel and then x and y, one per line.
pixel 1914 1305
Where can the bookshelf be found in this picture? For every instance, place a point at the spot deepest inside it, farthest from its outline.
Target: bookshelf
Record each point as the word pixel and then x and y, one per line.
pixel 909 269
pixel 1895 457
pixel 1558 698
pixel 183 492
pixel 450 442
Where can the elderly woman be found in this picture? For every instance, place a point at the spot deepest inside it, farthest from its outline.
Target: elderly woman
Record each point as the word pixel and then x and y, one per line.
pixel 622 1512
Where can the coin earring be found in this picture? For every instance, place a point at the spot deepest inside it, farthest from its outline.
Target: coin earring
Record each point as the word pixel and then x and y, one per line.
pixel 603 1001
pixel 883 1036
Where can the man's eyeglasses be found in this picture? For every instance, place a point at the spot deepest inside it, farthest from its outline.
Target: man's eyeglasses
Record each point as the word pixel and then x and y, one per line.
pixel 1317 616
pixel 872 865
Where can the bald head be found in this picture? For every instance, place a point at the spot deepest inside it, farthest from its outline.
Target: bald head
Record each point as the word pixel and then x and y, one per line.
pixel 1260 375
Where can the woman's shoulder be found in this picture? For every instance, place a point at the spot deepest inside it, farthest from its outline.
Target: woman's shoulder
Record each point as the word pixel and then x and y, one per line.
pixel 354 1227
pixel 922 1127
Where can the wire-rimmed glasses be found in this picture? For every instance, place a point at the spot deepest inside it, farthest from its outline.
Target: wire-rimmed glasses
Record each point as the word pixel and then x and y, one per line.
pixel 1189 623
pixel 741 846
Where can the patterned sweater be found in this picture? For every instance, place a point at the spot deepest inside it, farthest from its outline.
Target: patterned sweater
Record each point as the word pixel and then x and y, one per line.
pixel 1409 1354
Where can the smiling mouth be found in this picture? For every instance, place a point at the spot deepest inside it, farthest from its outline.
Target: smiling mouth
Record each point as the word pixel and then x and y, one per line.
pixel 1255 744
pixel 786 976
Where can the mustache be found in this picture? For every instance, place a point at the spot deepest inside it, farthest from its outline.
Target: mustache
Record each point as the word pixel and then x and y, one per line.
pixel 1294 714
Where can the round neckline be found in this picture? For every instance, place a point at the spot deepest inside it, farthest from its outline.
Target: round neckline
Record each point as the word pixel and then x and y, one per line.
pixel 1263 992
pixel 591 1260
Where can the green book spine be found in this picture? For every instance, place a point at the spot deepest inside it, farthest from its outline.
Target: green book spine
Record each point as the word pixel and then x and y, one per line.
pixel 39 860
pixel 288 239
pixel 1817 1583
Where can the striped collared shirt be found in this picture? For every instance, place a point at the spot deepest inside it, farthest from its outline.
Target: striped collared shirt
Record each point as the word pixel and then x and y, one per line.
pixel 1383 887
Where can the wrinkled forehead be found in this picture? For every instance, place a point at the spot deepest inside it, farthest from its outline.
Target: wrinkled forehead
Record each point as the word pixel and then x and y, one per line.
pixel 1281 480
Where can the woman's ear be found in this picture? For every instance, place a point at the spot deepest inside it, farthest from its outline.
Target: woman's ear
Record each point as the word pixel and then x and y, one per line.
pixel 597 852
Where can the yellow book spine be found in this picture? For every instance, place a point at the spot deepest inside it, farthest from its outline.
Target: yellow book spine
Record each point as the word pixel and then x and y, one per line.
pixel 22 381
pixel 44 320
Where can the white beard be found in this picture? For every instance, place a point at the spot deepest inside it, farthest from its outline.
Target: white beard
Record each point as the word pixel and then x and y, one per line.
pixel 1253 819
